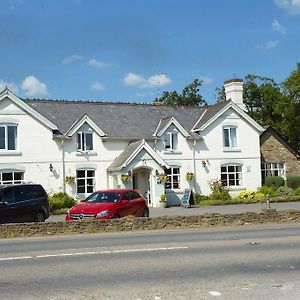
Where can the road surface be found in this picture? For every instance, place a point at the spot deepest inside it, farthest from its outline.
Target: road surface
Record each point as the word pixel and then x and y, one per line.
pixel 254 262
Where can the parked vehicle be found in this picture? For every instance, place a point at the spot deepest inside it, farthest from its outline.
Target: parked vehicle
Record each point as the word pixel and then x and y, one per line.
pixel 108 204
pixel 23 203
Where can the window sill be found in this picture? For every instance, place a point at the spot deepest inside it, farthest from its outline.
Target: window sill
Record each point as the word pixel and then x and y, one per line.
pixel 86 153
pixel 231 150
pixel 10 152
pixel 236 188
pixel 172 152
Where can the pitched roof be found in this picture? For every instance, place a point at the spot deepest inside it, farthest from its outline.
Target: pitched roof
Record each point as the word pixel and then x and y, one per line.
pixel 269 130
pixel 117 120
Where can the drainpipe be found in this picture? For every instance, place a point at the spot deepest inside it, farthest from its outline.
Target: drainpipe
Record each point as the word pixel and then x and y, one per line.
pixel 63 164
pixel 194 164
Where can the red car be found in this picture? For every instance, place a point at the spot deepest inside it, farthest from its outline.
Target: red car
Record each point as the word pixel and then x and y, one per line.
pixel 110 204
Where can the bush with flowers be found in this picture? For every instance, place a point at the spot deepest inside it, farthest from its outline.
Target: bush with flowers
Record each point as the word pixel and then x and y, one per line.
pixel 246 194
pixel 218 191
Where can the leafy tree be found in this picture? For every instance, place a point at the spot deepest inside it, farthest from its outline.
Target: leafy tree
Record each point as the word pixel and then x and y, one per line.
pixel 265 102
pixel 221 95
pixel 291 89
pixel 189 96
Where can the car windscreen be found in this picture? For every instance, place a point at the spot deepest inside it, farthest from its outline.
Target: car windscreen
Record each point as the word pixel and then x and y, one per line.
pixel 103 197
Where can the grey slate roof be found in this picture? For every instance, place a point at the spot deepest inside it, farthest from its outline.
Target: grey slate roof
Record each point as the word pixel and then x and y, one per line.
pixel 122 120
pixel 126 153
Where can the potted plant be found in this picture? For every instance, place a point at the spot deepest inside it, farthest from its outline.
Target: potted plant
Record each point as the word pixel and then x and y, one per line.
pixel 70 179
pixel 125 178
pixel 163 200
pixel 163 177
pixel 189 176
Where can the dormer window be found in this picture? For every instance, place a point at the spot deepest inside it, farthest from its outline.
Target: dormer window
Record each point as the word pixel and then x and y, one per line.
pixel 230 137
pixel 84 141
pixel 8 137
pixel 171 140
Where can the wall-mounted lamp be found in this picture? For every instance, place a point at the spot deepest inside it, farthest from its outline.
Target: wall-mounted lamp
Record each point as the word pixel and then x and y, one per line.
pixel 51 168
pixel 203 163
pixel 129 173
pixel 157 173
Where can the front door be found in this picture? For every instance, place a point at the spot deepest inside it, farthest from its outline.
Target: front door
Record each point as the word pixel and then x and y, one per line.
pixel 141 182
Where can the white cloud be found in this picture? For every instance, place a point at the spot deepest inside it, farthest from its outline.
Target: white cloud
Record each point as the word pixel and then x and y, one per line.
pixel 291 6
pixel 97 87
pixel 33 87
pixel 132 79
pixel 271 44
pixel 278 27
pixel 12 86
pixel 71 58
pixel 99 64
pixel 206 80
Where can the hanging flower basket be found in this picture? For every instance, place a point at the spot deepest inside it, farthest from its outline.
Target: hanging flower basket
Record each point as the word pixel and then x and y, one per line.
pixel 189 176
pixel 163 177
pixel 70 179
pixel 125 178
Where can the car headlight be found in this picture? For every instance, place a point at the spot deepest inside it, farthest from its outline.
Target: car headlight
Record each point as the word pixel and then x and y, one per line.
pixel 103 213
pixel 68 213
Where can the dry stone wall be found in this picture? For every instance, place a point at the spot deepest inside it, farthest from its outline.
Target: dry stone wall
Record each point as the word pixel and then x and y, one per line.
pixel 141 224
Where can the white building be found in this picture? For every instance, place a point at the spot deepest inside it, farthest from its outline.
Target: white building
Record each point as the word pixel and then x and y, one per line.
pixel 45 141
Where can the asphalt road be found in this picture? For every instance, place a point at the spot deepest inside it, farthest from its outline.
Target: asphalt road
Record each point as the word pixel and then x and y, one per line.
pixel 252 262
pixel 224 209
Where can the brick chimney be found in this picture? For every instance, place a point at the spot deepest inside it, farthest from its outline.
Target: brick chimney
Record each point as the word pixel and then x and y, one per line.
pixel 234 91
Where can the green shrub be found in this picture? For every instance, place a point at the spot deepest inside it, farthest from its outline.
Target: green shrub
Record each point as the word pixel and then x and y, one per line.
pixel 199 198
pixel 268 190
pixel 218 191
pixel 293 182
pixel 163 198
pixel 60 200
pixel 259 196
pixel 247 194
pixel 285 191
pixel 297 192
pixel 274 181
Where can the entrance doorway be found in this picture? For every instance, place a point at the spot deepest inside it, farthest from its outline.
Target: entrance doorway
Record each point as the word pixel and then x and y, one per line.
pixel 141 182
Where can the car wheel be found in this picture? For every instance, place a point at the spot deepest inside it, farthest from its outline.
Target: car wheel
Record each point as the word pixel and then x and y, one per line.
pixel 116 216
pixel 39 217
pixel 145 213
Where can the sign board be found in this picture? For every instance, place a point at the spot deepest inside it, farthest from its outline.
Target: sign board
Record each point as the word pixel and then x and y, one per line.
pixel 187 199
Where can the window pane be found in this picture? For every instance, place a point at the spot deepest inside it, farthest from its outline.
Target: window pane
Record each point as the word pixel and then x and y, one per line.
pixel 233 137
pixel 167 141
pixel 12 137
pixel 226 137
pixel 175 170
pixel 230 168
pixel 80 173
pixel 7 176
pixel 2 137
pixel 223 169
pixel 174 140
pixel 18 176
pixel 90 173
pixel 89 141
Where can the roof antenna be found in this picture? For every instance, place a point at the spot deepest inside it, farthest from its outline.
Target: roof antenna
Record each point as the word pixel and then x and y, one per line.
pixel 158 83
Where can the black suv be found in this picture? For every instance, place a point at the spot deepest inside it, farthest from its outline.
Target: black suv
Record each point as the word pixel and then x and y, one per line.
pixel 23 203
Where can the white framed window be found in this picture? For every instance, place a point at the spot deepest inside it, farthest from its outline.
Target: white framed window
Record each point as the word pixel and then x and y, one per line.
pixel 230 137
pixel 232 175
pixel 85 181
pixel 84 141
pixel 272 169
pixel 173 182
pixel 11 177
pixel 8 137
pixel 171 140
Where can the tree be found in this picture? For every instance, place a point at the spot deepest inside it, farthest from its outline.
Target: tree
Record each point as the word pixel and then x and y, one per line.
pixel 291 89
pixel 189 96
pixel 221 95
pixel 265 102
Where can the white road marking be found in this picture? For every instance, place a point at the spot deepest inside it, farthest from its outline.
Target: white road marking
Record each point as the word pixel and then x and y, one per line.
pixel 215 293
pixel 92 253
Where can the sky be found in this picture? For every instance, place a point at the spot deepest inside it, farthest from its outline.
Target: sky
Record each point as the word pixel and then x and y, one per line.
pixel 132 51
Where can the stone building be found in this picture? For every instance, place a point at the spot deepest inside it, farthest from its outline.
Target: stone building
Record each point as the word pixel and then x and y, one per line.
pixel 279 157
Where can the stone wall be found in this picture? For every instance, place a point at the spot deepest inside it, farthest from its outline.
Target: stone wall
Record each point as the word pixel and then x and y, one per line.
pixel 272 150
pixel 141 224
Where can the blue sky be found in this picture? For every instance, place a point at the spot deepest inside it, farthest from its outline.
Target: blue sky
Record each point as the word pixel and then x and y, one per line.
pixel 118 50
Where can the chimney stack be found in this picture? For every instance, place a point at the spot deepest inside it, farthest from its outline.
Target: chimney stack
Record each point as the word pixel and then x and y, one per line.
pixel 234 91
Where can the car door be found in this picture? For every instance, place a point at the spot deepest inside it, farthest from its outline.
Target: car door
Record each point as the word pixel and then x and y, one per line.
pixel 25 206
pixel 138 203
pixel 6 209
pixel 126 208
